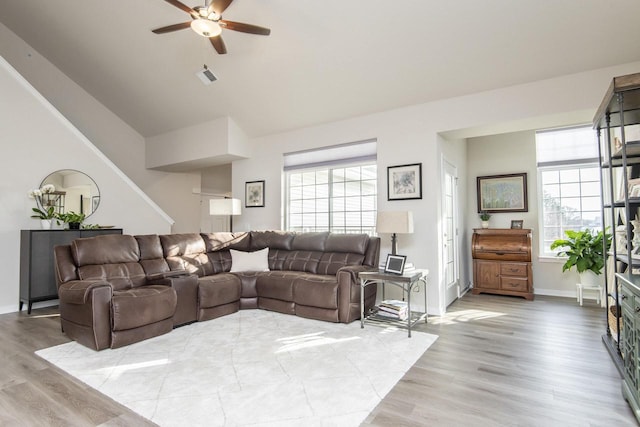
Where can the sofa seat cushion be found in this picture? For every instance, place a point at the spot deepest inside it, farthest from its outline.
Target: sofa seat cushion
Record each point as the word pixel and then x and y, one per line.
pixel 218 289
pixel 132 308
pixel 316 291
pixel 277 284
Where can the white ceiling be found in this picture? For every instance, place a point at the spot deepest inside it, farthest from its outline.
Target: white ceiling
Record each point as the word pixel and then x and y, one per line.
pixel 324 60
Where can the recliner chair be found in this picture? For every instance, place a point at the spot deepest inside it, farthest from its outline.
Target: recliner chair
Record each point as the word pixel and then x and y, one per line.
pixel 106 297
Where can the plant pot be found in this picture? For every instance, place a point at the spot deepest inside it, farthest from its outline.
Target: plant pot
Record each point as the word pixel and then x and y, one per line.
pixel 485 224
pixel 74 226
pixel 45 224
pixel 589 278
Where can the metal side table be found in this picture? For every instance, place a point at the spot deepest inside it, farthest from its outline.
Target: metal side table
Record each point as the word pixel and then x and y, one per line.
pixel 407 282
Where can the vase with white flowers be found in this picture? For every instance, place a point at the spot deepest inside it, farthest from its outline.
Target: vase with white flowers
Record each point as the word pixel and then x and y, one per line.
pixel 46 214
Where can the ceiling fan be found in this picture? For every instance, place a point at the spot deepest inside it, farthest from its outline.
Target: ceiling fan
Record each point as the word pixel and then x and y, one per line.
pixel 207 21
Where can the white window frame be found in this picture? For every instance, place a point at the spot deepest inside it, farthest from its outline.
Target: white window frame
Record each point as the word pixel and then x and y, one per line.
pixel 331 227
pixel 541 213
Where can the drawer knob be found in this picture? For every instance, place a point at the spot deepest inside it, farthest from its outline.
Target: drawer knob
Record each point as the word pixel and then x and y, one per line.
pixel 623 296
pixel 637 309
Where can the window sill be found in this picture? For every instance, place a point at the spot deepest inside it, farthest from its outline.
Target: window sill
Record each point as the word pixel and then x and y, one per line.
pixel 552 259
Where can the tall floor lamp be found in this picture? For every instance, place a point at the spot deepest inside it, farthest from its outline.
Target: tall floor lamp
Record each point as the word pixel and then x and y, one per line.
pixel 394 222
pixel 225 207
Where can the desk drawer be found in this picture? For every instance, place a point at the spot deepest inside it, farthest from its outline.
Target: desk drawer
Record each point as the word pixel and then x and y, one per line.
pixel 513 269
pixel 519 284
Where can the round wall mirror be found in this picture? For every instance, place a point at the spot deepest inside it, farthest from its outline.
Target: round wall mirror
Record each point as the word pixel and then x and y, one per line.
pixel 74 191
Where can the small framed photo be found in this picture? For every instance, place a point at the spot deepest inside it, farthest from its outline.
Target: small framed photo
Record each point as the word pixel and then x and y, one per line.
pixel 517 224
pixel 634 188
pixel 395 264
pixel 254 194
pixel 404 182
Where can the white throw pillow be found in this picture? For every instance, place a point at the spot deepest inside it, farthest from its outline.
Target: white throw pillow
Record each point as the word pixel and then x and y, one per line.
pixel 249 261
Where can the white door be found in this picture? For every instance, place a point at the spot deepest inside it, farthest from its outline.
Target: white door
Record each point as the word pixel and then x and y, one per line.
pixel 210 223
pixel 450 233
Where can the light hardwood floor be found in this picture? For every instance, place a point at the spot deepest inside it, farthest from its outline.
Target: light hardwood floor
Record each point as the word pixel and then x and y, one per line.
pixel 498 361
pixel 505 361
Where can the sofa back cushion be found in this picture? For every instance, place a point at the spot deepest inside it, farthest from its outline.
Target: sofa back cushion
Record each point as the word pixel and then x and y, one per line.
pixel 151 254
pixel 331 262
pixel 186 252
pixel 113 258
pixel 281 240
pixel 314 241
pixel 347 243
pixel 306 261
pixel 225 241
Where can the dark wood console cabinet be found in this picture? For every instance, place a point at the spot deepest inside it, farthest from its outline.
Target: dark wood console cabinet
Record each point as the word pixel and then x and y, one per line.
pixel 37 274
pixel 502 262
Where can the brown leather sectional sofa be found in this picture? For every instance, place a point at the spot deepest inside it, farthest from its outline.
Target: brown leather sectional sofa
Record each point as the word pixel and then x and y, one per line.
pixel 115 290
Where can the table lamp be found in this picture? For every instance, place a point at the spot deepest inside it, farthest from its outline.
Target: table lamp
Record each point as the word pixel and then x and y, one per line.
pixel 224 207
pixel 394 222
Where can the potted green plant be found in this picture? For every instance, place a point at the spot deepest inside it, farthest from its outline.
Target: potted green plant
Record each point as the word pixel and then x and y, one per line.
pixel 484 217
pixel 45 216
pixel 73 219
pixel 584 250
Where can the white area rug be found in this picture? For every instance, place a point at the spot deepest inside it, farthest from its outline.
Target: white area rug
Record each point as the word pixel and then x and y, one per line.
pixel 252 368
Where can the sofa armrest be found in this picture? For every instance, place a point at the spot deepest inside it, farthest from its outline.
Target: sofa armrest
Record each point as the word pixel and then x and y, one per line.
pixel 353 271
pixel 167 274
pixel 349 291
pixel 78 291
pixel 168 278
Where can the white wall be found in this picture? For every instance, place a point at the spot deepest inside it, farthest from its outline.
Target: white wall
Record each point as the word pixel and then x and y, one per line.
pixel 36 139
pixel 515 153
pixel 117 140
pixel 410 135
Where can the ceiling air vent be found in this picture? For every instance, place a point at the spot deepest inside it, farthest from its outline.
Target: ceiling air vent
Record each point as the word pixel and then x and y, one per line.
pixel 206 76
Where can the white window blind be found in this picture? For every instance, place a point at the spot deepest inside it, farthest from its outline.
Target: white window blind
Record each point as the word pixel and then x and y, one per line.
pixel 566 146
pixel 350 153
pixel 332 189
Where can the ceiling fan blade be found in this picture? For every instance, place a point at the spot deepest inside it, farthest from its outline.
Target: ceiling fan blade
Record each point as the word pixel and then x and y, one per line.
pixel 219 6
pixel 182 6
pixel 244 28
pixel 218 44
pixel 170 28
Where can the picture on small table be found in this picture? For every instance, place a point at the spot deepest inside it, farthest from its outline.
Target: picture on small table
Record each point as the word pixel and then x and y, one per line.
pixel 517 224
pixel 395 264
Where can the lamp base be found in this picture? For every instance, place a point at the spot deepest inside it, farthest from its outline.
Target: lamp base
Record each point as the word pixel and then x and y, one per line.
pixel 394 244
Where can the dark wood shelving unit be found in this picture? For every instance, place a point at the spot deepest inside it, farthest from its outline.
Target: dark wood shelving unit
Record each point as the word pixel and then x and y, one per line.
pixel 617 125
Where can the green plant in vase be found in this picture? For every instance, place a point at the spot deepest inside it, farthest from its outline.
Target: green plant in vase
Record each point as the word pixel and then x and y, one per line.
pixel 73 219
pixel 584 250
pixel 484 217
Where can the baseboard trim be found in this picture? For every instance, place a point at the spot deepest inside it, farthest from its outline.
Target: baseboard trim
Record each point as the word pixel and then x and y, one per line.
pixel 555 293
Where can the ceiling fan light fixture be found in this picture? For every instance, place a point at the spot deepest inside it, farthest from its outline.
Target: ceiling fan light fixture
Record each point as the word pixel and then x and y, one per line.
pixel 206 28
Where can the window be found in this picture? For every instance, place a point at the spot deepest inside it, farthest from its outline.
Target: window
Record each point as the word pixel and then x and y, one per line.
pixel 332 189
pixel 569 183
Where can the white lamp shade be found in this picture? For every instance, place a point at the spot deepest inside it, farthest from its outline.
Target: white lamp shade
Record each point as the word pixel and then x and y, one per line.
pixel 225 207
pixel 399 222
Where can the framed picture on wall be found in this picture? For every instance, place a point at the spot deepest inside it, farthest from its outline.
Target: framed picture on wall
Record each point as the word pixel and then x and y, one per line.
pixel 404 182
pixel 502 193
pixel 254 194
